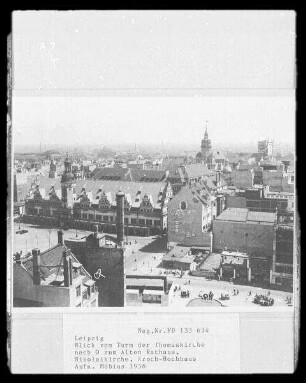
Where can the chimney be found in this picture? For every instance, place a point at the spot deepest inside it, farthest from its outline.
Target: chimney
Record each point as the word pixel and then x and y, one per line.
pixel 67 268
pixel 36 266
pixel 120 215
pixel 96 231
pixel 18 257
pixel 60 237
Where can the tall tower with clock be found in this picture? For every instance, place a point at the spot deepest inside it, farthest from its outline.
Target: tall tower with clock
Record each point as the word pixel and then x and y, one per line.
pixel 206 147
pixel 67 185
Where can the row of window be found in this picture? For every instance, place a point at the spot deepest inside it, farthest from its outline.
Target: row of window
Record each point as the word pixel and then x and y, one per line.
pixel 127 221
pixel 46 213
pixel 106 218
pixel 87 292
pixel 105 207
pixel 280 196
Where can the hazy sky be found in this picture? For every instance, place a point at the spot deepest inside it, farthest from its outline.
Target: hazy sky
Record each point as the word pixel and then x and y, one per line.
pixel 154 49
pixel 60 55
pixel 110 120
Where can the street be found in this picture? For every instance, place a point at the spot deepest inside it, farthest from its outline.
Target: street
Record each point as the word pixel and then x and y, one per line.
pixel 143 256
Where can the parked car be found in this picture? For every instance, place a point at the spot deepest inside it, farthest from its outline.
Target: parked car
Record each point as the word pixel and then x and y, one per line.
pixel 23 231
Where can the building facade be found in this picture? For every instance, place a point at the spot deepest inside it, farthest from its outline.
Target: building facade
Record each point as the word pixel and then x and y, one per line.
pixel 53 278
pixel 265 147
pixel 242 179
pixel 268 243
pixel 146 289
pixel 84 203
pixel 103 257
pixel 190 214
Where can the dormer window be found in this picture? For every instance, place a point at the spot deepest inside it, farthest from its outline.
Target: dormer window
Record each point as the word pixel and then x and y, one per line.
pixel 183 205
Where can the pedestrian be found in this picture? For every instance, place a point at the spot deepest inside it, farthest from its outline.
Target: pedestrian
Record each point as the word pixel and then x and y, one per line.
pixel 237 291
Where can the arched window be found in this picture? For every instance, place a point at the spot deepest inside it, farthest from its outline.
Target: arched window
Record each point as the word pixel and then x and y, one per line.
pixel 183 205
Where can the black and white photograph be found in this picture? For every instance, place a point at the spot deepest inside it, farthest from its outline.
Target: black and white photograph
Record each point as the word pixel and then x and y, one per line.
pixel 153 163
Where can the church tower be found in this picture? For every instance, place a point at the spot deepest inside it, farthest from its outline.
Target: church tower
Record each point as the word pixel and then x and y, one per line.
pixel 52 171
pixel 67 185
pixel 206 148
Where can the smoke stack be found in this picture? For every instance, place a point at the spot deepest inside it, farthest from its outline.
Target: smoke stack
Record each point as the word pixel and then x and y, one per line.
pixel 36 266
pixel 96 231
pixel 67 268
pixel 18 258
pixel 120 215
pixel 60 237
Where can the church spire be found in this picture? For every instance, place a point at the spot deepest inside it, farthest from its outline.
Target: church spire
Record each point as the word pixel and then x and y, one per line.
pixel 206 133
pixel 206 145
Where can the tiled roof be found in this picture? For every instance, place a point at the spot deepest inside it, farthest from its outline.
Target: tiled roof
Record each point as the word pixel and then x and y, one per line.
pixel 197 192
pixel 210 184
pixel 219 156
pixel 223 182
pixel 131 188
pixel 139 175
pixel 115 173
pixel 245 167
pixel 172 163
pixel 47 183
pixel 150 188
pixel 197 170
pixel 51 257
pixel 176 173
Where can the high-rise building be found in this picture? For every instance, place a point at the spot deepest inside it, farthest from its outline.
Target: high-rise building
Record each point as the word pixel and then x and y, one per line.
pixel 265 147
